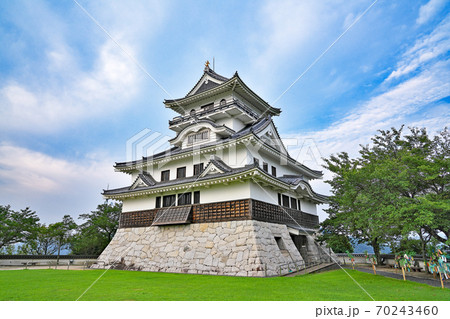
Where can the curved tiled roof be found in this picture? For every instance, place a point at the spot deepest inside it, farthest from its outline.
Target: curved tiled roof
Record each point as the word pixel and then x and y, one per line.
pixel 210 84
pixel 190 179
pixel 248 130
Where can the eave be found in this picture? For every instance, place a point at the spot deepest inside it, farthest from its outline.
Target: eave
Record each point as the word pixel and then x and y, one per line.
pixel 255 173
pixel 231 84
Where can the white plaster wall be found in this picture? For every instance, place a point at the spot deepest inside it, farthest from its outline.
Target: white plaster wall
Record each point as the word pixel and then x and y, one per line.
pixel 265 194
pixel 278 162
pixel 232 122
pixel 308 207
pixel 221 192
pixel 133 204
pixel 236 156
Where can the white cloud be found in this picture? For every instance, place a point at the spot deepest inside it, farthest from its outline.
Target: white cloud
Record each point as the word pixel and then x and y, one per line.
pixel 26 108
pixel 429 10
pixel 424 50
pixel 392 108
pixel 293 27
pixel 42 181
pixel 65 91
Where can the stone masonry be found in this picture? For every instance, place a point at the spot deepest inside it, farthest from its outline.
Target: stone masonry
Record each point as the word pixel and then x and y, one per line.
pixel 236 248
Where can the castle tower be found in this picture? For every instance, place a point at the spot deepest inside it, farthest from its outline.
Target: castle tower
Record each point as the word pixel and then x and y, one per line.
pixel 225 199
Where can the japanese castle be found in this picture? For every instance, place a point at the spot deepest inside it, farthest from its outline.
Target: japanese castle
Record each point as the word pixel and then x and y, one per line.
pixel 225 199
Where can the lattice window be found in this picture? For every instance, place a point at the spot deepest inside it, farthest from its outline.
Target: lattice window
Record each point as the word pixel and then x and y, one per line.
pixel 222 211
pixel 199 136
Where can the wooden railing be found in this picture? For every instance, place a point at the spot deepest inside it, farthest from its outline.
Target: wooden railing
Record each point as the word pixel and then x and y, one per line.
pixel 266 212
pixel 243 209
pixel 180 119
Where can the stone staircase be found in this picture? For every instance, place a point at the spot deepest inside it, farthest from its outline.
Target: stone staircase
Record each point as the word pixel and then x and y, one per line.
pixel 314 268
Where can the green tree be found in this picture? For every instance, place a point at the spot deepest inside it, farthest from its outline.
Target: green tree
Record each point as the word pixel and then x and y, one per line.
pixel 96 232
pixel 397 186
pixel 16 226
pixel 43 242
pixel 62 232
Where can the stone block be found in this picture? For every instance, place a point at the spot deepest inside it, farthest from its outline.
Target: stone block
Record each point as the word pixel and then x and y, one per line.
pixel 231 262
pixel 209 244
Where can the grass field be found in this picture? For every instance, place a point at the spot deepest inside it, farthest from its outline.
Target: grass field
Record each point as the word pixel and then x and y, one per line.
pixel 128 285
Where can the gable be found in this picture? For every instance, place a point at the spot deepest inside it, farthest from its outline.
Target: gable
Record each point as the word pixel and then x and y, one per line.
pixel 143 180
pixel 215 166
pixel 269 135
pixel 209 80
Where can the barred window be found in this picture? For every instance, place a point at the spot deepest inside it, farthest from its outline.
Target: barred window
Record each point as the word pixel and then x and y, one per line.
pixel 265 166
pixel 199 136
pixel 184 199
pixel 285 201
pixel 198 169
pixel 197 197
pixel 293 203
pixel 181 172
pixel 169 200
pixel 274 171
pixel 165 175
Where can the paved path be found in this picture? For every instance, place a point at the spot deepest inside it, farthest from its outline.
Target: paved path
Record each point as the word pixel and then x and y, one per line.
pixel 428 281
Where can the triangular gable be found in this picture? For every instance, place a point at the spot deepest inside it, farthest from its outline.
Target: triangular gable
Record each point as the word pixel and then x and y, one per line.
pixel 209 80
pixel 270 136
pixel 143 180
pixel 215 166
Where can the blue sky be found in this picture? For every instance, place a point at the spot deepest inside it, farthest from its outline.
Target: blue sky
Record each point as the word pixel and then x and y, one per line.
pixel 70 97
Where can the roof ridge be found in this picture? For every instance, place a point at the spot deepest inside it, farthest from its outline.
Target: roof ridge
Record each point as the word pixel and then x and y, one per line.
pixel 211 73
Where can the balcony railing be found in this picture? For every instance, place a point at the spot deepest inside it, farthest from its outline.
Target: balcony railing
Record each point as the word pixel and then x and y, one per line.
pixel 243 209
pixel 197 115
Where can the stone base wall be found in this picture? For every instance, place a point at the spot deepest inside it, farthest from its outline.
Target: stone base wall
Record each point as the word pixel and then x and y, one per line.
pixel 236 248
pixel 317 253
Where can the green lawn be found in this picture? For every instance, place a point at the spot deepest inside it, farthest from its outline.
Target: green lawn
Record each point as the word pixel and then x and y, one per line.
pixel 128 285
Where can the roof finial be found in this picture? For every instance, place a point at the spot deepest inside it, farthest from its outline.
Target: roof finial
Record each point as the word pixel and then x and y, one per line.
pixel 207 65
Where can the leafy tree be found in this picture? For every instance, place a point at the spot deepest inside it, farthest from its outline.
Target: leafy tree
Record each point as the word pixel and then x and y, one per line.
pixel 16 227
pixel 62 231
pixel 8 250
pixel 396 187
pixel 42 243
pixel 94 235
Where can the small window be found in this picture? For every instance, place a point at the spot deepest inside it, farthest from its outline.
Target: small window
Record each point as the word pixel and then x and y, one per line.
pixel 293 203
pixel 158 202
pixel 256 161
pixel 280 243
pixel 192 113
pixel 279 199
pixel 223 102
pixel 181 172
pixel 209 106
pixel 199 136
pixel 165 175
pixel 265 167
pixel 198 169
pixel 197 197
pixel 184 199
pixel 169 200
pixel 274 171
pixel 299 206
pixel 285 201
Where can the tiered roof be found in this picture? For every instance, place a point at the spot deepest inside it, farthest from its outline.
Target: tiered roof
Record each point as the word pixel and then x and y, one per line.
pixel 205 87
